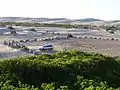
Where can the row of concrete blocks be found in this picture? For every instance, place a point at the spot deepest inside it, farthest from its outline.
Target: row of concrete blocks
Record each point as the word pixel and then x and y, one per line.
pixel 44 39
pixel 66 37
pixel 15 44
pixel 97 38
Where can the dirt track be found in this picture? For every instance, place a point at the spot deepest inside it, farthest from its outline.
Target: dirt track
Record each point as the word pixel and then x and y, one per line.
pixel 107 47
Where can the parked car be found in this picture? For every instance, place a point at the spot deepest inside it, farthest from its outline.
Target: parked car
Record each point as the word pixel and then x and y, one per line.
pixel 46 47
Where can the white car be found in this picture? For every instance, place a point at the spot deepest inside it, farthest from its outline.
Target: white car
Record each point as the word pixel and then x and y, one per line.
pixel 46 47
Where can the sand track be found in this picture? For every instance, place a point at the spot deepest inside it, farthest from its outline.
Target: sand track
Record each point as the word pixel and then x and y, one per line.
pixel 107 47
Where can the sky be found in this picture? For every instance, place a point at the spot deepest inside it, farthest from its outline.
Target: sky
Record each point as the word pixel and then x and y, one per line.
pixel 71 9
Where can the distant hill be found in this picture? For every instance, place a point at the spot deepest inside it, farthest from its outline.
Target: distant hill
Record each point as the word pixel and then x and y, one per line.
pixel 88 20
pixel 46 20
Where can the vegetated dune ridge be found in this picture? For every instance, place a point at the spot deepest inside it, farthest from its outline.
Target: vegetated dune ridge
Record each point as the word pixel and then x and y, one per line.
pixel 88 21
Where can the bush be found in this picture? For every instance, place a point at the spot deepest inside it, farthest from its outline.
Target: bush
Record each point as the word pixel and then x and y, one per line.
pixel 33 30
pixel 69 35
pixel 112 32
pixel 10 27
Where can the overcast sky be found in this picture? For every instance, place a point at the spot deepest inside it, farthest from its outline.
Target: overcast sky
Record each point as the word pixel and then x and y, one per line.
pixel 72 9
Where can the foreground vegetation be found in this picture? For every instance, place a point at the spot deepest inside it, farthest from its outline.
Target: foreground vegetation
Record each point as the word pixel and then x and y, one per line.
pixel 66 70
